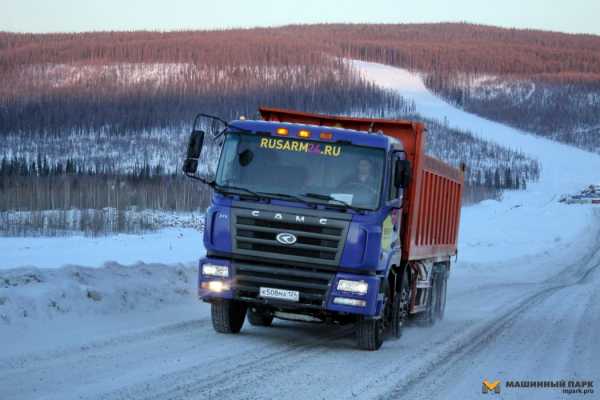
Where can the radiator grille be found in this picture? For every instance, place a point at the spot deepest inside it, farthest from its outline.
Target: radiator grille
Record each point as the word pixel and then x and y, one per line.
pixel 317 240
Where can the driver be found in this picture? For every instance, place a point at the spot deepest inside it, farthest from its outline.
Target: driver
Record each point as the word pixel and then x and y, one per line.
pixel 365 170
pixel 361 184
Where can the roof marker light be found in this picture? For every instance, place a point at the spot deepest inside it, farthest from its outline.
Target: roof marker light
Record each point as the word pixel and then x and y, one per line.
pixel 304 134
pixel 282 131
pixel 326 135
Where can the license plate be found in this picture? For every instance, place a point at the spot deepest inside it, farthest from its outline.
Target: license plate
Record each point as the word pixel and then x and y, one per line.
pixel 281 294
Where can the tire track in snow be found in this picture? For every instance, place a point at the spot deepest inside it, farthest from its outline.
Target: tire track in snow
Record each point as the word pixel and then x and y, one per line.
pixel 476 341
pixel 146 335
pixel 185 384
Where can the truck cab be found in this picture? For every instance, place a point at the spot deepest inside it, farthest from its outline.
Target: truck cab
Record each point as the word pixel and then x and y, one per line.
pixel 305 223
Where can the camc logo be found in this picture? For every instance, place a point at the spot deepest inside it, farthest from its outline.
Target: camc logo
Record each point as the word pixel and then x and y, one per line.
pixel 487 386
pixel 286 238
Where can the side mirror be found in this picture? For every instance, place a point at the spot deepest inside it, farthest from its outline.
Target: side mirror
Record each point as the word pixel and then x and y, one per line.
pixel 190 165
pixel 402 174
pixel 245 157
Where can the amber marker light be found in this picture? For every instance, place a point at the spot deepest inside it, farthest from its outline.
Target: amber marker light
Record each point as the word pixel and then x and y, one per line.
pixel 304 134
pixel 282 131
pixel 326 135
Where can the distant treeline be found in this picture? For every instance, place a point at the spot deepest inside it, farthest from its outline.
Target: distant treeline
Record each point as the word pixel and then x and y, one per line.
pixel 121 81
pixel 116 99
pixel 439 48
pixel 26 187
pixel 94 222
pixel 90 222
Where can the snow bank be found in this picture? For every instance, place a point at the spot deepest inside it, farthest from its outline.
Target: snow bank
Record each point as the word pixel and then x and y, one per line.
pixel 28 295
pixel 524 222
pixel 165 246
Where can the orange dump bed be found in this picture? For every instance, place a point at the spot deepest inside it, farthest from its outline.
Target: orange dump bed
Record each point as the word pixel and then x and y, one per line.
pixel 431 210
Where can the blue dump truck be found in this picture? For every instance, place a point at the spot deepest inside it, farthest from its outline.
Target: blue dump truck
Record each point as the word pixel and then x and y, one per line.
pixel 326 219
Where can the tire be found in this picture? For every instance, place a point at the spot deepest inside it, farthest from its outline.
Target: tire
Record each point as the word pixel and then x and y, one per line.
pixel 259 318
pixel 442 293
pixel 401 305
pixel 369 334
pixel 430 316
pixel 228 316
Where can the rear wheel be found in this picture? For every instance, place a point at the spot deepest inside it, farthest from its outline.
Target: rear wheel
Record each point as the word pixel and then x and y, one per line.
pixel 437 297
pixel 258 317
pixel 401 305
pixel 430 316
pixel 228 316
pixel 442 290
pixel 432 305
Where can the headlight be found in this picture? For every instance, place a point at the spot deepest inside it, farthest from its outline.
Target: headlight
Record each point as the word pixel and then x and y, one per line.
pixel 349 302
pixel 360 287
pixel 215 270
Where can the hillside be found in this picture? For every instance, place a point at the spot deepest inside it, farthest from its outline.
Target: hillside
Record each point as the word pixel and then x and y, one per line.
pixel 95 113
pixel 568 112
pixel 446 47
pixel 135 80
pixel 148 79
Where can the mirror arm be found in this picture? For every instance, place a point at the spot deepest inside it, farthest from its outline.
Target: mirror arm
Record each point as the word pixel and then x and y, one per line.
pixel 213 117
pixel 199 115
pixel 195 177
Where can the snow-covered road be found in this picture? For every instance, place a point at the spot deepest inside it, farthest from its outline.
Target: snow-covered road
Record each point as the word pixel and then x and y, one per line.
pixel 523 305
pixel 517 327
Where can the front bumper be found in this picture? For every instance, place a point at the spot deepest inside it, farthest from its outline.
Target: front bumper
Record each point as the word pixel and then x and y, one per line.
pixel 317 287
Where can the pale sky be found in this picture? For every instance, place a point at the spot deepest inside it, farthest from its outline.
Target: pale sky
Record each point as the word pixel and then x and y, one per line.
pixel 574 16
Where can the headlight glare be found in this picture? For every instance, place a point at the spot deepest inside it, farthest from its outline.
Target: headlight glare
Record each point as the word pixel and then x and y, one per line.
pixel 217 286
pixel 215 270
pixel 359 287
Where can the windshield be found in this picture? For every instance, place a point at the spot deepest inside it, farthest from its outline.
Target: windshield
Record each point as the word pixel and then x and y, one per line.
pixel 333 173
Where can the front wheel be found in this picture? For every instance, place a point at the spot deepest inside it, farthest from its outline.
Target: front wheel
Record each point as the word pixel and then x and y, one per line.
pixel 369 333
pixel 228 315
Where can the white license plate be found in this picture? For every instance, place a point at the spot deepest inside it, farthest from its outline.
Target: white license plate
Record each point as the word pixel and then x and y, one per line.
pixel 281 294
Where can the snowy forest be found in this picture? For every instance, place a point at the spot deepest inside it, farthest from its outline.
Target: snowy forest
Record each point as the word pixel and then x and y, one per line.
pixel 568 112
pixel 95 121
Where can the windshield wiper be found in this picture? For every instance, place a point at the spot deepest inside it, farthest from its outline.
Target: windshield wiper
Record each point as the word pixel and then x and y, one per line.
pixel 226 189
pixel 327 197
pixel 301 197
pixel 286 196
pixel 258 195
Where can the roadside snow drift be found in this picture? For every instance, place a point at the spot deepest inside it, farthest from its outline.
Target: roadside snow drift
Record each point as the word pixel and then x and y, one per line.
pixel 33 294
pixel 171 245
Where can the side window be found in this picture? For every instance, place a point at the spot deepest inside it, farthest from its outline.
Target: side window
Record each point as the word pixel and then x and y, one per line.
pixel 228 170
pixel 393 192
